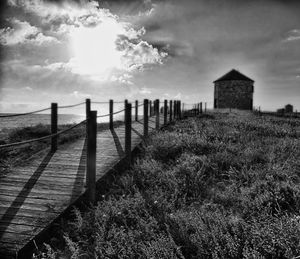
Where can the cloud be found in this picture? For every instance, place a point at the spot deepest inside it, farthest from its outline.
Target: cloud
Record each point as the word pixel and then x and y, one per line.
pixel 145 91
pixel 80 95
pixel 99 43
pixel 137 55
pixel 28 88
pixel 85 13
pixel 124 79
pixel 293 35
pixel 178 96
pixel 22 32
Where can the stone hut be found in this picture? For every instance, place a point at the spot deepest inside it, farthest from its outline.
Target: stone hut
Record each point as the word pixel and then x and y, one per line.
pixel 234 90
pixel 289 108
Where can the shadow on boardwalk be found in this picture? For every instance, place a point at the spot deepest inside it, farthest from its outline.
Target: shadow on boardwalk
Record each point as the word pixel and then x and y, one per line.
pixel 80 175
pixel 119 148
pixel 137 133
pixel 19 200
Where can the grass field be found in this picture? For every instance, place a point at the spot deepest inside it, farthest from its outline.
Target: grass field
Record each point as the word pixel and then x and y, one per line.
pixel 219 186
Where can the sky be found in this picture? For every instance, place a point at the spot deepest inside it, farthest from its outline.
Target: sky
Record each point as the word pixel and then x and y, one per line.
pixel 67 51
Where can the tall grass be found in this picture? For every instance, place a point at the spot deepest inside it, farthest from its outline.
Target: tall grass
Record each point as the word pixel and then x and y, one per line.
pixel 215 187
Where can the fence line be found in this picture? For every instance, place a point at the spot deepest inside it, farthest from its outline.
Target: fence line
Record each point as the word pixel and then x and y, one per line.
pixel 174 108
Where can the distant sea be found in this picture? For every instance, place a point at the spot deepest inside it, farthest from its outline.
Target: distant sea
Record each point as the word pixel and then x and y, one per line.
pixel 34 119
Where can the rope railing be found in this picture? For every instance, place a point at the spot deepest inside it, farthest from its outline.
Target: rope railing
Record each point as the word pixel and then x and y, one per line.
pixel 101 102
pixel 117 102
pixel 23 114
pixel 108 114
pixel 170 110
pixel 70 106
pixel 140 105
pixel 41 138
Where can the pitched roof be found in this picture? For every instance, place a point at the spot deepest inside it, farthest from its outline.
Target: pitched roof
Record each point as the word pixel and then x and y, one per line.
pixel 234 75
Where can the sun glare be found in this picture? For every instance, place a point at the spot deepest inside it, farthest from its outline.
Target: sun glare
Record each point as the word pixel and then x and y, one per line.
pixel 94 49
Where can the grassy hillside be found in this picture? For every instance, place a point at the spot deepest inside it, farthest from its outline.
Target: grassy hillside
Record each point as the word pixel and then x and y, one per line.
pixel 220 186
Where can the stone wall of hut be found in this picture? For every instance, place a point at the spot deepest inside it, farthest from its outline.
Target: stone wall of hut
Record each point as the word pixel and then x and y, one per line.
pixel 237 94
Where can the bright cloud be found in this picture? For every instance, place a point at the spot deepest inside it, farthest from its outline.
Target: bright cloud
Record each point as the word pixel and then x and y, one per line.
pixel 23 32
pixel 145 91
pixel 100 45
pixel 293 35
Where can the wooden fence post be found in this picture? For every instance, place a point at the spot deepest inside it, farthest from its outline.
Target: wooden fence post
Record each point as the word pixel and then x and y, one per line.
pixel 157 113
pixel 136 110
pixel 205 108
pixel 146 118
pixel 87 112
pixel 201 108
pixel 128 132
pixel 87 107
pixel 179 110
pixel 177 106
pixel 111 116
pixel 165 112
pixel 171 110
pixel 54 126
pixel 91 156
pixel 125 104
pixel 175 110
pixel 150 108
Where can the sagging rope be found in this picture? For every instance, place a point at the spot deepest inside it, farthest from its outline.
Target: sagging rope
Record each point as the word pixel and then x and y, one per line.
pixel 41 138
pixel 105 115
pixel 70 106
pixel 22 114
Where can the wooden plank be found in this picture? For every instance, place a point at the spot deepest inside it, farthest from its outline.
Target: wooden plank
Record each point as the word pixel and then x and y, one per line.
pixel 33 200
pixel 29 219
pixel 68 167
pixel 37 191
pixel 38 195
pixel 20 229
pixel 47 183
pixel 23 212
pixel 46 177
pixel 6 207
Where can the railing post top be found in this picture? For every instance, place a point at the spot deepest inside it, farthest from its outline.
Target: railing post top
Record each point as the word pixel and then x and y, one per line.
pixel 53 104
pixel 93 114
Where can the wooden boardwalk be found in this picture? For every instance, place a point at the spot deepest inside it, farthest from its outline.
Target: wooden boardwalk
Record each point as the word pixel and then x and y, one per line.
pixel 32 197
